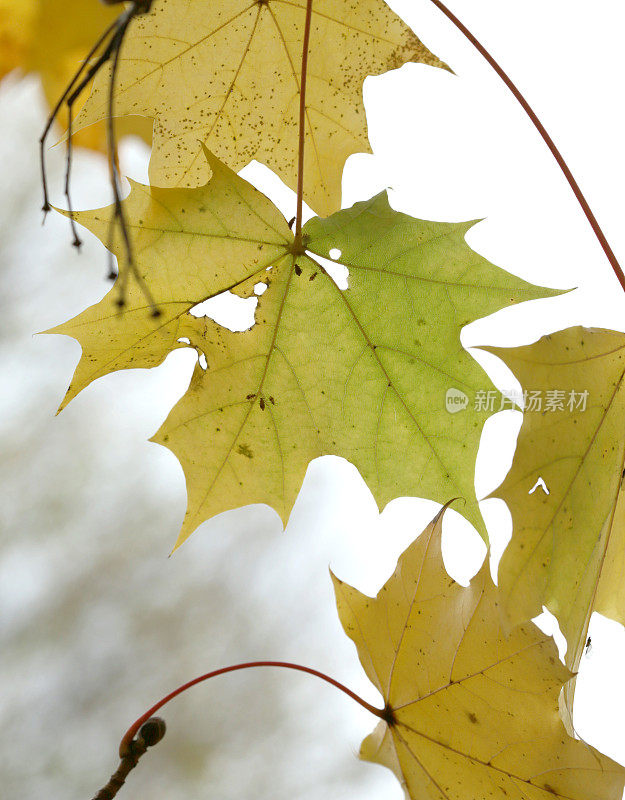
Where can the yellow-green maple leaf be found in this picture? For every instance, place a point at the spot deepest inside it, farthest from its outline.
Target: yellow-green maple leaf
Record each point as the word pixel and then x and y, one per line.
pixel 568 545
pixel 227 73
pixel 472 711
pixel 52 38
pixel 361 373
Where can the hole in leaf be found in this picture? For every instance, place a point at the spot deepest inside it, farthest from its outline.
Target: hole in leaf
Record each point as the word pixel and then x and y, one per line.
pixel 234 313
pixel 335 253
pixel 260 288
pixel 549 624
pixel 338 272
pixel 539 483
pixel 184 340
pixel 202 360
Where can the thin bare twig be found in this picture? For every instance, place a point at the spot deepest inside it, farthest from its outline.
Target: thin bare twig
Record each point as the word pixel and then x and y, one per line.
pixel 150 733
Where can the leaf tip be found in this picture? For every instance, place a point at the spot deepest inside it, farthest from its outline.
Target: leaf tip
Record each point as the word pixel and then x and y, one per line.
pixel 335 580
pixel 214 164
pixel 182 538
pixel 446 505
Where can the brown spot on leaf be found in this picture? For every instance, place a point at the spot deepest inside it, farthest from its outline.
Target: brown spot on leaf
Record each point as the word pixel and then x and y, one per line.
pixel 413 49
pixel 244 450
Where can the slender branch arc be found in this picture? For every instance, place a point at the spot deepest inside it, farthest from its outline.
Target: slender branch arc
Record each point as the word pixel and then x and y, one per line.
pixel 148 730
pixel 131 732
pixel 546 138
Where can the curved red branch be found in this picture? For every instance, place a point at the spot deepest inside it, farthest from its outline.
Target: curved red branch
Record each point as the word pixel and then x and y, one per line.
pixel 132 731
pixel 546 138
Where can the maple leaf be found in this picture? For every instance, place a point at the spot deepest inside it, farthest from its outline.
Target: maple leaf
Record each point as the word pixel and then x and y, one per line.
pixel 361 373
pixel 472 712
pixel 228 74
pixel 52 38
pixel 568 548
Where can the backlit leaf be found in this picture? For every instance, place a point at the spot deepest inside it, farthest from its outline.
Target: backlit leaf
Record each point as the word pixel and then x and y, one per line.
pixel 473 712
pixel 361 373
pixel 227 73
pixel 568 548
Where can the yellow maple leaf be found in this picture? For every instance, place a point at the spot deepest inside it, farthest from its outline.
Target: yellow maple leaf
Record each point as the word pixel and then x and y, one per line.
pixel 228 74
pixel 471 712
pixel 567 550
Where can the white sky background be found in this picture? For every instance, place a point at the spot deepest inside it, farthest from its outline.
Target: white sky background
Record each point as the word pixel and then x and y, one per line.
pixel 451 148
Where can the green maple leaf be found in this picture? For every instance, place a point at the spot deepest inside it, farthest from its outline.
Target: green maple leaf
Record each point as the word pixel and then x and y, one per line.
pixel 227 74
pixel 472 709
pixel 361 373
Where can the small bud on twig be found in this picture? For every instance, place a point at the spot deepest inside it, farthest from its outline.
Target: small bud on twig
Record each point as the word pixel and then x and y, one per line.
pixel 150 733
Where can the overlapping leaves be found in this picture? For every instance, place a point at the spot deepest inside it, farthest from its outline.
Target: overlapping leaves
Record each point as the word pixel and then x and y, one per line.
pixel 472 712
pixel 361 373
pixel 227 73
